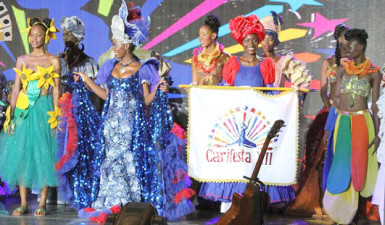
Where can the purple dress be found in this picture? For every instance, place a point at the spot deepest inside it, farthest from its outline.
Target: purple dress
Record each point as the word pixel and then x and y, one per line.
pixel 246 76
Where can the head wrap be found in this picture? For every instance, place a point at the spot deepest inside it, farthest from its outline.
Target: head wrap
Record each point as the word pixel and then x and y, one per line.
pixel 129 26
pixel 74 25
pixel 242 26
pixel 272 24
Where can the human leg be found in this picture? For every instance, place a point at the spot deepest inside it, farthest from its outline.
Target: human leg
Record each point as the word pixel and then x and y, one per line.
pixel 40 211
pixel 23 208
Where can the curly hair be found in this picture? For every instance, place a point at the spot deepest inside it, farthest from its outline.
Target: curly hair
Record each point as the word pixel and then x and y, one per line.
pixel 45 23
pixel 338 31
pixel 212 21
pixel 357 34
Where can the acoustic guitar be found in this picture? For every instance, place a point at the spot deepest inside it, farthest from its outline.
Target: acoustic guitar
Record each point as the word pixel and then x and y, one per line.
pixel 248 208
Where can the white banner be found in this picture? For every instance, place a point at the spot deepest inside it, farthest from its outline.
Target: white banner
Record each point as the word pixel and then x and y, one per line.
pixel 227 128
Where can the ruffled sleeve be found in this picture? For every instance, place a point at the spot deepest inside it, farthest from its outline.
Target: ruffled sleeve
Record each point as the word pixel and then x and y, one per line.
pixel 230 70
pixel 268 70
pixel 105 71
pixel 89 68
pixel 148 73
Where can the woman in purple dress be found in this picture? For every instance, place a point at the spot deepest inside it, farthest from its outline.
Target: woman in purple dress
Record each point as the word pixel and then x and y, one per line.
pixel 246 70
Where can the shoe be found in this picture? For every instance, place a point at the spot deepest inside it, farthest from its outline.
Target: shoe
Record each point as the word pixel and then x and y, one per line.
pixel 41 211
pixel 19 211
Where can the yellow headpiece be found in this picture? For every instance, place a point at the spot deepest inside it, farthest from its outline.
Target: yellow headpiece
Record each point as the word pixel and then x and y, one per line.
pixel 49 34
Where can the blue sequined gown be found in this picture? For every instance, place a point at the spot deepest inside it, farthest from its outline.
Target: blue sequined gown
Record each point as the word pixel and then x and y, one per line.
pixel 128 172
pixel 142 159
pixel 79 148
pixel 118 180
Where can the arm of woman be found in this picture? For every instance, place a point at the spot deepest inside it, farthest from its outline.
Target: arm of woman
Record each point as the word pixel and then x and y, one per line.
pixel 194 74
pixel 17 84
pixel 56 89
pixel 149 96
pixel 324 84
pixel 376 80
pixel 99 91
pixel 336 101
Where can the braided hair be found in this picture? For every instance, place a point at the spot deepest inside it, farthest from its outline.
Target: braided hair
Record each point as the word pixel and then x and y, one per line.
pixel 338 31
pixel 74 54
pixel 213 23
pixel 357 34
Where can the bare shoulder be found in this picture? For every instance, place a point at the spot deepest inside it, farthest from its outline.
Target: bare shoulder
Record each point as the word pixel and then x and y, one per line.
pixel 21 59
pixel 376 75
pixel 329 60
pixel 224 57
pixel 53 58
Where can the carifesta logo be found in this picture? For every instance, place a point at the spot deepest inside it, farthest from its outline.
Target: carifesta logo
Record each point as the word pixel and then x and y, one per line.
pixel 237 133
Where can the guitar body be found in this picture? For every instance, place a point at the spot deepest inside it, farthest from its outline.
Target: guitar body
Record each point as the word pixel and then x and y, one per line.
pixel 248 208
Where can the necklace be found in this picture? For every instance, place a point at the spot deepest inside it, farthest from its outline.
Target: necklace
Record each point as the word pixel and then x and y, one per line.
pixel 123 69
pixel 362 69
pixel 209 61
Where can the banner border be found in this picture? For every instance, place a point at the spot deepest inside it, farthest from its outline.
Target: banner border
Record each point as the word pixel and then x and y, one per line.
pixel 241 88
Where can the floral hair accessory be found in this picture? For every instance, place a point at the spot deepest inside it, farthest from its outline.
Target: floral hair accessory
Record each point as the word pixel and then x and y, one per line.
pixel 242 26
pixel 50 32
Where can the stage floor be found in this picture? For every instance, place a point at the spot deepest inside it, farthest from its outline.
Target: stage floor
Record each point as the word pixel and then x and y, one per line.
pixel 60 215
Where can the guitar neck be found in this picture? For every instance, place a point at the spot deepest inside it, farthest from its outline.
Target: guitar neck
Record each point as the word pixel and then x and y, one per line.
pixel 272 133
pixel 260 159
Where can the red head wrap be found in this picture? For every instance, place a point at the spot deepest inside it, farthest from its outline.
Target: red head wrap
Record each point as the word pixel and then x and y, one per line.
pixel 242 26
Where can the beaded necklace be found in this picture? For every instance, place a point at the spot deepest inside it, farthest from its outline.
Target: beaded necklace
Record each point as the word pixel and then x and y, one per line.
pixel 361 69
pixel 123 66
pixel 210 60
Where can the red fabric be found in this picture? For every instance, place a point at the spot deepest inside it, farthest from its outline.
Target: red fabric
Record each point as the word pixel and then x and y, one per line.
pixel 178 131
pixel 180 175
pixel 230 70
pixel 115 209
pixel 186 193
pixel 242 26
pixel 359 160
pixel 88 210
pixel 268 70
pixel 102 218
pixel 65 108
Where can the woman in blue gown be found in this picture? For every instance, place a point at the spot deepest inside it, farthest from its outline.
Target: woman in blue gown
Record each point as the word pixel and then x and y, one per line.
pixel 140 160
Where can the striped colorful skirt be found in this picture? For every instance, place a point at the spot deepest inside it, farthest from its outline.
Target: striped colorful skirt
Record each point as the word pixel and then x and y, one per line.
pixel 354 167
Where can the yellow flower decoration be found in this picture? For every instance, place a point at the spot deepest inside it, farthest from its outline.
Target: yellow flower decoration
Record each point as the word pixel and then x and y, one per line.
pixel 24 75
pixel 53 117
pixel 49 34
pixel 26 30
pixel 46 76
pixel 7 118
pixel 51 30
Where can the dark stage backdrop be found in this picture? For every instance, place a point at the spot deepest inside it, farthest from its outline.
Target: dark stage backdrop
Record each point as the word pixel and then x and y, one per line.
pixel 307 31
